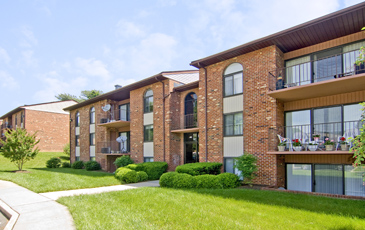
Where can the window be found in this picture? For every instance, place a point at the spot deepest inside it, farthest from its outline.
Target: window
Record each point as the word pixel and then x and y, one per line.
pixel 92 139
pixel 191 116
pixel 229 166
pixel 233 124
pixel 92 158
pixel 92 115
pixel 77 119
pixel 233 83
pixel 148 101
pixel 148 133
pixel 124 112
pixel 21 117
pixel 148 159
pixel 77 158
pixel 16 121
pixel 77 140
pixel 125 146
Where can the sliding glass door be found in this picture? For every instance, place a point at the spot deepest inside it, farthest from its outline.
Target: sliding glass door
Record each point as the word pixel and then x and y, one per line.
pixel 328 179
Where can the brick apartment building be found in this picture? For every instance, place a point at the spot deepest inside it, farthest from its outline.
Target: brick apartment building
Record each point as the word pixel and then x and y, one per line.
pixel 295 83
pixel 49 120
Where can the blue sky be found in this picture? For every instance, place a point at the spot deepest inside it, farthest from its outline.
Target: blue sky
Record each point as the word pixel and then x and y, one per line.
pixel 51 47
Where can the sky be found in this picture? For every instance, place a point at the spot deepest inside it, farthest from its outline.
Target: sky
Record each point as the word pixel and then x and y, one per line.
pixel 52 47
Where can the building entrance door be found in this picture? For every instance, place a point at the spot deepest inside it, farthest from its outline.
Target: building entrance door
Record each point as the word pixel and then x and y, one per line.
pixel 191 148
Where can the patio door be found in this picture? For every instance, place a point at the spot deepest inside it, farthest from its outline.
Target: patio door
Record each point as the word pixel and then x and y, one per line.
pixel 328 179
pixel 191 145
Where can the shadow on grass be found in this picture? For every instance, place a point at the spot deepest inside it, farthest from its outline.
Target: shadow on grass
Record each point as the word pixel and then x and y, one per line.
pixel 325 205
pixel 81 172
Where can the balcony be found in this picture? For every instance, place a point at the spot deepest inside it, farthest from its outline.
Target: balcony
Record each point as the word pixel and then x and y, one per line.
pixel 115 118
pixel 112 148
pixel 190 124
pixel 323 77
pixel 304 133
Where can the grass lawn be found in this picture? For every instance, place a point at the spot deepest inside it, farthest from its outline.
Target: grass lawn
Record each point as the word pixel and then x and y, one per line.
pixel 161 208
pixel 43 179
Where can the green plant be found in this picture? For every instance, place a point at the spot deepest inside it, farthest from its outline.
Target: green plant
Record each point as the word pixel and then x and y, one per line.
pixel 66 165
pixel 343 141
pixel 183 180
pixel 361 58
pixel 283 143
pixel 316 135
pixel 358 142
pixel 195 169
pixel 19 146
pixel 135 167
pixel 328 141
pixel 296 142
pixel 154 170
pixel 92 166
pixel 66 149
pixel 142 176
pixel 246 164
pixel 166 180
pixel 126 175
pixel 312 143
pixel 123 161
pixel 229 180
pixel 208 181
pixel 77 165
pixel 54 162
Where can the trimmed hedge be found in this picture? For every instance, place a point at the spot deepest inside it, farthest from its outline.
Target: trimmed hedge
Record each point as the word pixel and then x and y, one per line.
pixel 183 180
pixel 154 170
pixel 66 165
pixel 142 176
pixel 135 167
pixel 126 175
pixel 123 161
pixel 92 165
pixel 54 162
pixel 203 168
pixel 77 165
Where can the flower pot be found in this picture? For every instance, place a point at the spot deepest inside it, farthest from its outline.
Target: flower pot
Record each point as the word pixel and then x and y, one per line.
pixel 297 148
pixel 281 148
pixel 312 147
pixel 329 147
pixel 345 147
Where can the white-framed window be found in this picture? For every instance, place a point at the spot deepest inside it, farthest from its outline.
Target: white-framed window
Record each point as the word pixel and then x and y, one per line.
pixel 233 80
pixel 92 115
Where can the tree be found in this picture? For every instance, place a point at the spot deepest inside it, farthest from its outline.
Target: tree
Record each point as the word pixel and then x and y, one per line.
pixel 66 97
pixel 246 164
pixel 85 95
pixel 19 146
pixel 358 142
pixel 361 58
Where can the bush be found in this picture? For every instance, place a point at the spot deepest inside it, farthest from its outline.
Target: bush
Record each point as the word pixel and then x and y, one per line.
pixel 166 180
pixel 195 169
pixel 183 180
pixel 154 170
pixel 142 176
pixel 126 175
pixel 229 180
pixel 66 149
pixel 123 161
pixel 208 181
pixel 135 167
pixel 77 165
pixel 54 162
pixel 66 165
pixel 92 165
pixel 246 164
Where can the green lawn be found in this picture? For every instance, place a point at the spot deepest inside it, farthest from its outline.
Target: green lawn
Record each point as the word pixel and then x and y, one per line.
pixel 42 179
pixel 161 208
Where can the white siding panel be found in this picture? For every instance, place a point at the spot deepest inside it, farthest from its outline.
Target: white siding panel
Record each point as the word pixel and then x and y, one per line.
pixel 233 104
pixel 77 131
pixel 148 119
pixel 77 152
pixel 92 151
pixel 92 128
pixel 148 149
pixel 233 146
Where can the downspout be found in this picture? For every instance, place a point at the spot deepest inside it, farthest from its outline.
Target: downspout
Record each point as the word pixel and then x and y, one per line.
pixel 206 109
pixel 69 127
pixel 163 117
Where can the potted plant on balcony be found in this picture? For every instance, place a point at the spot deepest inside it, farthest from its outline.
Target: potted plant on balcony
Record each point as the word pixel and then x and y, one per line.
pixel 329 144
pixel 281 146
pixel 316 137
pixel 312 146
pixel 344 144
pixel 360 61
pixel 297 145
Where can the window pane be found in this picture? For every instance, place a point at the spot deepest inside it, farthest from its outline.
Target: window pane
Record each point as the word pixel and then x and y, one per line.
pixel 228 86
pixel 354 181
pixel 328 179
pixel 92 115
pixel 92 138
pixel 352 120
pixel 124 112
pixel 228 165
pixel 148 133
pixel 228 123
pixel 238 123
pixel 299 177
pixel 298 125
pixel 238 87
pixel 148 93
pixel 327 122
pixel 77 140
pixel 124 146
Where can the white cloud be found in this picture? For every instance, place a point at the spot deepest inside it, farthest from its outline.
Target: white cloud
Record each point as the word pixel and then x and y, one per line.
pixel 7 81
pixel 4 56
pixel 29 39
pixel 93 67
pixel 29 59
pixel 128 30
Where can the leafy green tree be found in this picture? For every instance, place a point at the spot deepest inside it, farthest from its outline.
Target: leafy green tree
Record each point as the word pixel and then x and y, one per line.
pixel 19 146
pixel 85 95
pixel 246 164
pixel 361 58
pixel 66 97
pixel 66 149
pixel 358 143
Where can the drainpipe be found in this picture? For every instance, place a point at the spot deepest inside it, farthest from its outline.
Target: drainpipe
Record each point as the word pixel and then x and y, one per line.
pixel 69 127
pixel 206 109
pixel 163 117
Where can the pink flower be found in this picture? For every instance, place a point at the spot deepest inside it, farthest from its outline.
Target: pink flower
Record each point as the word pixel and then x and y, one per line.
pixel 332 140
pixel 327 139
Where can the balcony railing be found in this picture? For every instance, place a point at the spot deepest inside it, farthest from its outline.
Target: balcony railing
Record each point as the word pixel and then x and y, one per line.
pixel 332 67
pixel 190 121
pixel 304 133
pixel 112 147
pixel 113 115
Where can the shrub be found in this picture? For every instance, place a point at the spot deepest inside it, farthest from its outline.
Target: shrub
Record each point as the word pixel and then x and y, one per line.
pixel 183 180
pixel 195 169
pixel 166 180
pixel 92 165
pixel 123 161
pixel 208 181
pixel 229 180
pixel 54 162
pixel 126 175
pixel 66 165
pixel 66 149
pixel 77 165
pixel 142 176
pixel 135 167
pixel 246 164
pixel 154 170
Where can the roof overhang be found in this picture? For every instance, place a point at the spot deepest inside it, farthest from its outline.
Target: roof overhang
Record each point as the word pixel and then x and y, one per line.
pixel 11 112
pixel 331 26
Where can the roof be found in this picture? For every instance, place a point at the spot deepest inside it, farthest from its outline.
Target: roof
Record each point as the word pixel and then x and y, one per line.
pixel 338 24
pixel 182 76
pixel 51 107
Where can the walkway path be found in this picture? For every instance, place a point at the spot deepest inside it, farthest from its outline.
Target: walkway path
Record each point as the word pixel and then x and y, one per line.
pixel 41 211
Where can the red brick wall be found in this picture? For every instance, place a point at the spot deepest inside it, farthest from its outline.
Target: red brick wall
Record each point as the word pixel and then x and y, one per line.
pixel 52 129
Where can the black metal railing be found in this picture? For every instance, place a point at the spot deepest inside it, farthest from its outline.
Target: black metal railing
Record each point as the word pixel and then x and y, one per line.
pixel 113 115
pixel 110 147
pixel 190 121
pixel 305 133
pixel 327 68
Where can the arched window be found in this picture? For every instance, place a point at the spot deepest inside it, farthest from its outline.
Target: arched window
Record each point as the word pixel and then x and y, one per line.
pixel 92 115
pixel 191 117
pixel 233 83
pixel 77 119
pixel 148 101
